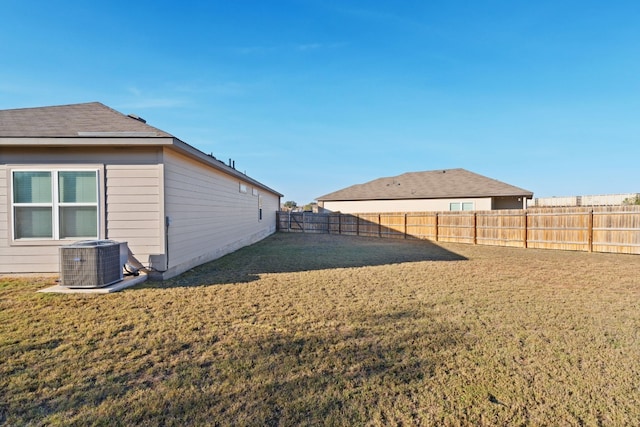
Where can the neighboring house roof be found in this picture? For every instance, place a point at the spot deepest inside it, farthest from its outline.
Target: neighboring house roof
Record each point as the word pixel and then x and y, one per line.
pixel 95 124
pixel 438 184
pixel 89 119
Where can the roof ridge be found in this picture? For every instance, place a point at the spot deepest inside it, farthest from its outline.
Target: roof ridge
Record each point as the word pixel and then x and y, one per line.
pixel 53 106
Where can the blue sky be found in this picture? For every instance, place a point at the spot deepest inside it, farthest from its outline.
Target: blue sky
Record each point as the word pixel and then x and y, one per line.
pixel 311 96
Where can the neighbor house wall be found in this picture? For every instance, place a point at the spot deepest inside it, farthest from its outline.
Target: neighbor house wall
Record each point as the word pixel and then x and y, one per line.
pixel 409 205
pixel 208 214
pixel 130 202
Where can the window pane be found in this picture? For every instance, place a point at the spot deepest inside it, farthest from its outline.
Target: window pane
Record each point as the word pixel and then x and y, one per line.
pixel 455 206
pixel 32 187
pixel 33 223
pixel 78 221
pixel 77 187
pixel 467 206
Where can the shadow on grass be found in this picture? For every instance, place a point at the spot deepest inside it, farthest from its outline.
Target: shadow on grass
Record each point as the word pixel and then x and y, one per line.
pixel 366 370
pixel 297 252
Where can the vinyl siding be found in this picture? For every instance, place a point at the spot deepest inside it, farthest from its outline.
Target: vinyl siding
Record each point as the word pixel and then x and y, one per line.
pixel 130 202
pixel 4 203
pixel 134 208
pixel 209 215
pixel 80 155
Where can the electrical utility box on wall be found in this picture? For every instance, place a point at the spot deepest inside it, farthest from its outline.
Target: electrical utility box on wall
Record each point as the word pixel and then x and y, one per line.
pixel 91 263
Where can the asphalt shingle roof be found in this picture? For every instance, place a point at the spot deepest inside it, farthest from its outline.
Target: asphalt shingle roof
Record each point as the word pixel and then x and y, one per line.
pixel 95 123
pixel 88 119
pixel 438 184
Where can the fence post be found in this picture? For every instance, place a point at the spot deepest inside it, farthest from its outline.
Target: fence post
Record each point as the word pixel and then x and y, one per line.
pixel 289 226
pixel 357 225
pixel 436 226
pixel 340 223
pixel 475 228
pixel 590 238
pixel 405 225
pixel 379 225
pixel 524 228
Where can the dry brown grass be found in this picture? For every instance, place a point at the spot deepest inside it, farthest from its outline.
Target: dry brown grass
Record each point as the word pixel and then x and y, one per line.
pixel 335 330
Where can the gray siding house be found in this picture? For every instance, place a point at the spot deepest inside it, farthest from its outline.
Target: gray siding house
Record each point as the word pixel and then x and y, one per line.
pixel 438 190
pixel 86 171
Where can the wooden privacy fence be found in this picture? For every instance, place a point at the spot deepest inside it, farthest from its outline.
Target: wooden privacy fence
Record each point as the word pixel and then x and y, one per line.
pixel 613 229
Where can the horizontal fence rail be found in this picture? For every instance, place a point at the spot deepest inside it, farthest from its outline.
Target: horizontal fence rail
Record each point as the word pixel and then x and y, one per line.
pixel 614 229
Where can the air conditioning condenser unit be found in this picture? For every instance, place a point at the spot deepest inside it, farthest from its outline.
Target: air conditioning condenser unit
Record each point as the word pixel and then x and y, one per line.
pixel 91 263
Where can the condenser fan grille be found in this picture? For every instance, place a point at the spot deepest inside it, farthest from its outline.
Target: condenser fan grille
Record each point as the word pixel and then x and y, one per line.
pixel 90 264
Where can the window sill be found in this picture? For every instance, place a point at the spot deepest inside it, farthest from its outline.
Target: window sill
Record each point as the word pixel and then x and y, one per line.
pixel 42 242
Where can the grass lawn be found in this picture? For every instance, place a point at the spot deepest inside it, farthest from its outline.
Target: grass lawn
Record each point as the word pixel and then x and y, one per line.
pixel 335 330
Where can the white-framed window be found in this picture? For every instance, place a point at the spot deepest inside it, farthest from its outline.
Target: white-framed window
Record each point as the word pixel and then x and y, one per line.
pixel 55 204
pixel 461 206
pixel 243 188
